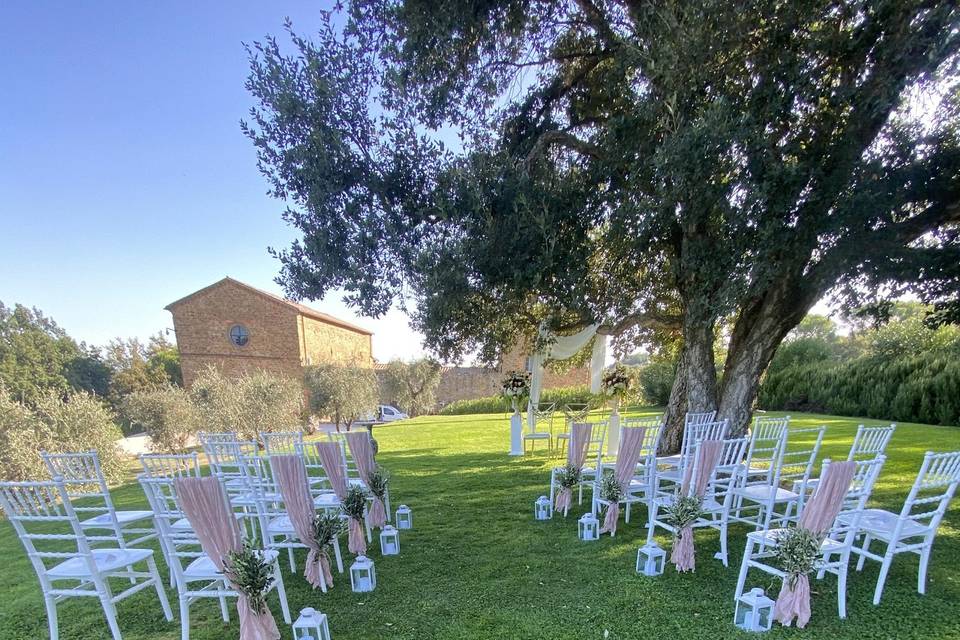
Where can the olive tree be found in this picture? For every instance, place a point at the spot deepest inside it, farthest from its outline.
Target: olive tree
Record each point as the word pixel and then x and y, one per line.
pixel 343 394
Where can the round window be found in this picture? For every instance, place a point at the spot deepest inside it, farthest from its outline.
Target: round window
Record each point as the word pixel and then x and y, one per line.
pixel 239 335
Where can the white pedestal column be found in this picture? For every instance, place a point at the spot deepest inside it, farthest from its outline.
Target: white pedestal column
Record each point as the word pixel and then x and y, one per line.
pixel 613 430
pixel 516 434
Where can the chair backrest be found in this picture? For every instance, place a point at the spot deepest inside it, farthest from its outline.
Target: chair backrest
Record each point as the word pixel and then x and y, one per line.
pixel 208 437
pixel 226 458
pixel 932 491
pixel 846 526
pixel 699 418
pixel 651 437
pixel 598 436
pixel 316 474
pixel 542 412
pixel 767 428
pixel 83 478
pixel 576 412
pixel 765 452
pixel 800 454
pixel 349 464
pixel 724 476
pixel 170 465
pixel 695 432
pixel 43 517
pixel 870 442
pixel 281 443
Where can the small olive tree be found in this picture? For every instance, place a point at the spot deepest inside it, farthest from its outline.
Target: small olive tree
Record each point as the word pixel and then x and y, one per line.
pixel 78 421
pixel 342 393
pixel 255 402
pixel 413 385
pixel 167 414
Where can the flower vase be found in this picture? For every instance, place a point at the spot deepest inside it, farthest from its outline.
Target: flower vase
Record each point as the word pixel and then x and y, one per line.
pixel 516 431
pixel 613 431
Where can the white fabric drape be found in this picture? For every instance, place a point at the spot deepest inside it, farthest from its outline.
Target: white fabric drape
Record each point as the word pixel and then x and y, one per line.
pixel 561 348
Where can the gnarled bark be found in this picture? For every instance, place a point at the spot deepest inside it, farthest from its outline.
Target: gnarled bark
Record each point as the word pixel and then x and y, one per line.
pixel 695 386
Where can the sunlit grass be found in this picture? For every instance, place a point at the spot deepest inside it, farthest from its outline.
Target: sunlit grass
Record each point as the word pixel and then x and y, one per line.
pixel 477 566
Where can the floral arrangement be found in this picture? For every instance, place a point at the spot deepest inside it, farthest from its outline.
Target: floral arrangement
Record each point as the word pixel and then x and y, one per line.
pixel 251 575
pixel 798 551
pixel 378 481
pixel 682 512
pixel 326 527
pixel 515 386
pixel 568 476
pixel 610 489
pixel 354 502
pixel 615 382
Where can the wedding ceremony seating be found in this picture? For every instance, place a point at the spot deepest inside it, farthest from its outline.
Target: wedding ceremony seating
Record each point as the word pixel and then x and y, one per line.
pixel 595 454
pixel 696 429
pixel 833 514
pixel 200 558
pixel 83 478
pixel 915 527
pixel 170 465
pixel 632 441
pixel 760 494
pixel 67 566
pixel 572 413
pixel 281 443
pixel 543 413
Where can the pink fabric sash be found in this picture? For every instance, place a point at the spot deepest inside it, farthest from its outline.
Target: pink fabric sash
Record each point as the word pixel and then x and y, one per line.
pixel 331 457
pixel 204 504
pixel 362 451
pixel 356 542
pixel 576 456
pixel 631 441
pixel 291 477
pixel 817 517
pixel 708 455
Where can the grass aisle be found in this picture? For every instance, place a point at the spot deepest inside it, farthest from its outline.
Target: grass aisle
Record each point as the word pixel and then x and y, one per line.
pixel 477 566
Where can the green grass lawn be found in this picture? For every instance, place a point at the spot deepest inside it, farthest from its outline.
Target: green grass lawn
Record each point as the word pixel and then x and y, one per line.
pixel 478 566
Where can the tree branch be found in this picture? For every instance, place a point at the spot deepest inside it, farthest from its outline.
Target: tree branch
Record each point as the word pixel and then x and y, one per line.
pixel 563 139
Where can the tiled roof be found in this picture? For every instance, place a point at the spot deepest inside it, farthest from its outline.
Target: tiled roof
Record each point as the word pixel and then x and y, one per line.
pixel 300 308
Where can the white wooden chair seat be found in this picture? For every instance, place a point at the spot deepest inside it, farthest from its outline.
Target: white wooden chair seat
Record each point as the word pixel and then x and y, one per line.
pixel 123 517
pixel 880 524
pixel 669 461
pixel 202 568
pixel 281 526
pixel 766 492
pixel 710 505
pixel 107 561
pixel 183 525
pixel 326 501
pixel 251 499
pixel 771 537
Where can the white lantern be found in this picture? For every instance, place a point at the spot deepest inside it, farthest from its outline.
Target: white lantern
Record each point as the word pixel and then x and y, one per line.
pixel 363 577
pixel 311 625
pixel 404 517
pixel 389 541
pixel 542 508
pixel 754 611
pixel 651 559
pixel 588 527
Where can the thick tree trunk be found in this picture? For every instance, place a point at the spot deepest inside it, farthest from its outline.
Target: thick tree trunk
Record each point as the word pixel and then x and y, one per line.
pixel 758 331
pixel 695 385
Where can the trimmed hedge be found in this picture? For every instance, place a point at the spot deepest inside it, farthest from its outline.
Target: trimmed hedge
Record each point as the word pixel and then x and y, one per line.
pixel 918 388
pixel 496 404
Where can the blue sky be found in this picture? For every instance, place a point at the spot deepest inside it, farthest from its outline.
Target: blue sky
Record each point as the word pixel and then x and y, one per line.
pixel 125 182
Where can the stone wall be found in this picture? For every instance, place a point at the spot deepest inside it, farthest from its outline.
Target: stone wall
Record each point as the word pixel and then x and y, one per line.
pixel 325 343
pixel 202 324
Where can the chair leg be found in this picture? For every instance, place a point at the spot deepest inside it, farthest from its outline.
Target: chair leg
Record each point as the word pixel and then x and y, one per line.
pixel 224 611
pixel 744 567
pixel 282 592
pixel 842 588
pixel 51 606
pixel 293 564
pixel 337 554
pixel 866 547
pixel 651 521
pixel 161 594
pixel 184 618
pixel 884 570
pixel 724 558
pixel 111 612
pixel 922 573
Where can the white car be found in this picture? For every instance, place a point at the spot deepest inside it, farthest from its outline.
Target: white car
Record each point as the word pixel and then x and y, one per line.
pixel 390 413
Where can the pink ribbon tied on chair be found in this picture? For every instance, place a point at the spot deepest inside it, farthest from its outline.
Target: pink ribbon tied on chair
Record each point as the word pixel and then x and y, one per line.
pixel 291 477
pixel 580 434
pixel 362 451
pixel 631 442
pixel 331 457
pixel 817 517
pixel 204 503
pixel 683 555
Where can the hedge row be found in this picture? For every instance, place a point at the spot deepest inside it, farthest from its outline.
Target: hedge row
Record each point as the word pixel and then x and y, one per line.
pixel 919 388
pixel 496 404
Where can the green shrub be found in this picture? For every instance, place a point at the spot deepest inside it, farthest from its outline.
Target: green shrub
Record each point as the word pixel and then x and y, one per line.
pixel 78 421
pixel 168 415
pixel 255 402
pixel 655 381
pixel 496 404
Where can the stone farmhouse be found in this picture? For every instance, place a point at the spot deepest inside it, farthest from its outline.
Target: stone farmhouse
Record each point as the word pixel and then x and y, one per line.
pixel 236 328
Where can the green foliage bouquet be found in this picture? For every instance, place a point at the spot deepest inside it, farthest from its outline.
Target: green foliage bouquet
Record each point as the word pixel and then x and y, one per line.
pixel 683 512
pixel 798 552
pixel 354 505
pixel 567 477
pixel 377 482
pixel 251 575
